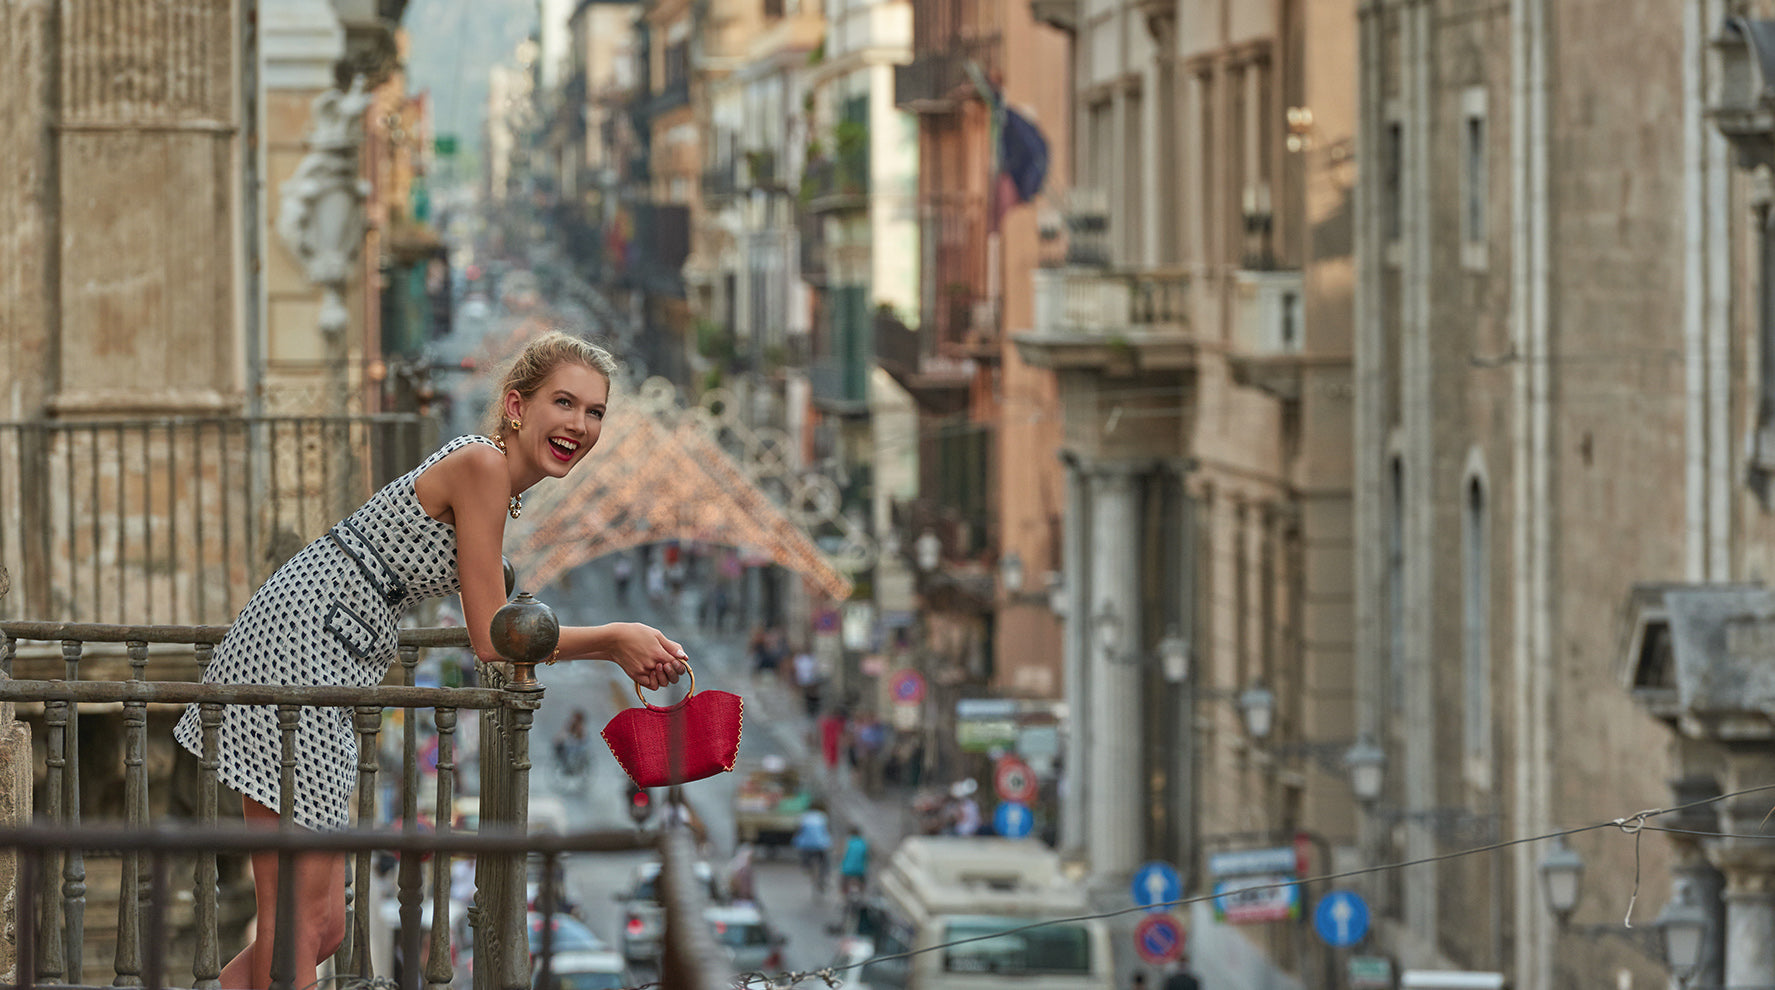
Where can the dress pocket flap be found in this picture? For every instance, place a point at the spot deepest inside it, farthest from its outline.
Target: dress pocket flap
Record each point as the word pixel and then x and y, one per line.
pixel 349 628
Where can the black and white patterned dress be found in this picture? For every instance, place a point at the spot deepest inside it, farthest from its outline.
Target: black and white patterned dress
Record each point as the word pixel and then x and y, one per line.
pixel 327 616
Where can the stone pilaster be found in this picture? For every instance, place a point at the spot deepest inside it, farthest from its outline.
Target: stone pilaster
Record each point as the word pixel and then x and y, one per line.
pixel 1118 801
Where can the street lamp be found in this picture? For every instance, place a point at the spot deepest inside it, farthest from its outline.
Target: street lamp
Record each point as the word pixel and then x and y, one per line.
pixel 1010 572
pixel 1365 762
pixel 1685 926
pixel 1258 703
pixel 1108 623
pixel 1174 656
pixel 1057 593
pixel 927 551
pixel 1562 878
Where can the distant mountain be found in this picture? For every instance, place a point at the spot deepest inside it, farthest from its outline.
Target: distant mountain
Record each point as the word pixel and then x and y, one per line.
pixel 452 45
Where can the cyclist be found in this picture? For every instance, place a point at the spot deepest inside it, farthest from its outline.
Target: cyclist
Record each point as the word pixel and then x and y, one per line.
pixel 813 841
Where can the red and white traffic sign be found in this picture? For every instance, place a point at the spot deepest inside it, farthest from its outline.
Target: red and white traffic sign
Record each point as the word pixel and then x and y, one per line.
pixel 906 686
pixel 1013 780
pixel 1158 939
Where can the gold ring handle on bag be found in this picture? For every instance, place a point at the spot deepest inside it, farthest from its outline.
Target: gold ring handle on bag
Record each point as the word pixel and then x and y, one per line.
pixel 687 694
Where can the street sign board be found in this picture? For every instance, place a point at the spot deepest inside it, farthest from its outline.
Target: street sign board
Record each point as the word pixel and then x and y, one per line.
pixel 1242 862
pixel 1341 918
pixel 1013 780
pixel 1156 885
pixel 1158 939
pixel 1013 820
pixel 1256 897
pixel 907 687
pixel 1371 973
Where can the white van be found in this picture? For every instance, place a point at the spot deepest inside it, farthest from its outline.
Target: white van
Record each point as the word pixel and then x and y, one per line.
pixel 984 895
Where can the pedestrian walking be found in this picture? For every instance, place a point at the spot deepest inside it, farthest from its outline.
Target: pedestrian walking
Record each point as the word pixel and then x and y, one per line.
pixel 1179 977
pixel 965 812
pixel 623 572
pixel 813 843
pixel 656 582
pixel 329 616
pixel 832 732
pixel 806 670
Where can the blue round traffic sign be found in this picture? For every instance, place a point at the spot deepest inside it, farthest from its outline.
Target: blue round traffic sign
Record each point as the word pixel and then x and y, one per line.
pixel 1341 918
pixel 1158 939
pixel 1156 885
pixel 1013 820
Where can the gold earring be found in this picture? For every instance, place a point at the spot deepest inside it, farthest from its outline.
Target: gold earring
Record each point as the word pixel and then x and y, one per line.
pixel 517 424
pixel 499 441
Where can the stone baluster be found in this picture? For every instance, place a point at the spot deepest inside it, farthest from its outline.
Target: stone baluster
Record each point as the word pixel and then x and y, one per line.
pixel 74 863
pixel 51 957
pixel 128 960
pixel 206 962
pixel 409 879
pixel 355 955
pixel 283 941
pixel 524 631
pixel 438 971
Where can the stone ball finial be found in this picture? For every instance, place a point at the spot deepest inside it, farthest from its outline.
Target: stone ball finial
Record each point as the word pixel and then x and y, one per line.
pixel 525 630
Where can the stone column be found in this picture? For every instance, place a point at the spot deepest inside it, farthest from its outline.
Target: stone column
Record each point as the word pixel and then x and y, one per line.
pixel 1117 798
pixel 1749 868
pixel 1075 797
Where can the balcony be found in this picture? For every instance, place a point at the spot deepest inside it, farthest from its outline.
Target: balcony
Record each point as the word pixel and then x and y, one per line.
pixel 761 170
pixel 938 81
pixel 721 182
pixel 837 184
pixel 1269 331
pixel 1114 321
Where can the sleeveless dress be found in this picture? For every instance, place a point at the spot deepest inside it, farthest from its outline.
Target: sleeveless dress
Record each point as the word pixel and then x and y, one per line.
pixel 329 615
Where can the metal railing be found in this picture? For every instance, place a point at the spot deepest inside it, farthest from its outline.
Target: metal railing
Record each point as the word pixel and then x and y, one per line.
pixel 179 520
pixel 53 931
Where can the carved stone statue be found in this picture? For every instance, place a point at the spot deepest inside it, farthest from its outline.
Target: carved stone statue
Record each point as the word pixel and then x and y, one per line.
pixel 321 211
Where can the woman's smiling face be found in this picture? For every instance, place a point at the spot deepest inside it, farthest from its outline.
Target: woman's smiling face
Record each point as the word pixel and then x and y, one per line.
pixel 563 419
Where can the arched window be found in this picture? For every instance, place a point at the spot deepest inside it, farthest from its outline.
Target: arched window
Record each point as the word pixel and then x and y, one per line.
pixel 1396 587
pixel 1476 625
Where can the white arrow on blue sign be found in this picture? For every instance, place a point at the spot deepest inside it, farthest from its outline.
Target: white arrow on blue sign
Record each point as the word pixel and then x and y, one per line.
pixel 1341 918
pixel 1012 820
pixel 1156 885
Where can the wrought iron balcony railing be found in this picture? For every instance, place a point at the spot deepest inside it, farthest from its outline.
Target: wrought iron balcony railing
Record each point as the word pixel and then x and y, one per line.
pixel 157 932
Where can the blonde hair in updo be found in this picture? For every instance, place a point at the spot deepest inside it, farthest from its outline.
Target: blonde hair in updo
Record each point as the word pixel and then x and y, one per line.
pixel 536 362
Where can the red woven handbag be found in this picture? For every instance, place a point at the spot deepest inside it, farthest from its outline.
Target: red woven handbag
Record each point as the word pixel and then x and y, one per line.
pixel 697 737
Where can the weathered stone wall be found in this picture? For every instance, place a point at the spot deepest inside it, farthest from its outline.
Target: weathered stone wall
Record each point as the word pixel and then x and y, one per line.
pixel 15 810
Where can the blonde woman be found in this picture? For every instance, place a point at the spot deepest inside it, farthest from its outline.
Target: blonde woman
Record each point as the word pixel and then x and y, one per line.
pixel 330 614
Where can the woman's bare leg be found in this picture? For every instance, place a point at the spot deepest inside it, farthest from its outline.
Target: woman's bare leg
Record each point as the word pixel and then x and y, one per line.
pixel 320 912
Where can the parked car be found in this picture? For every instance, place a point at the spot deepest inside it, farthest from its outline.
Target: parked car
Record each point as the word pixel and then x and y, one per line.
pixel 643 917
pixel 752 944
pixel 567 934
pixel 586 971
pixel 768 803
